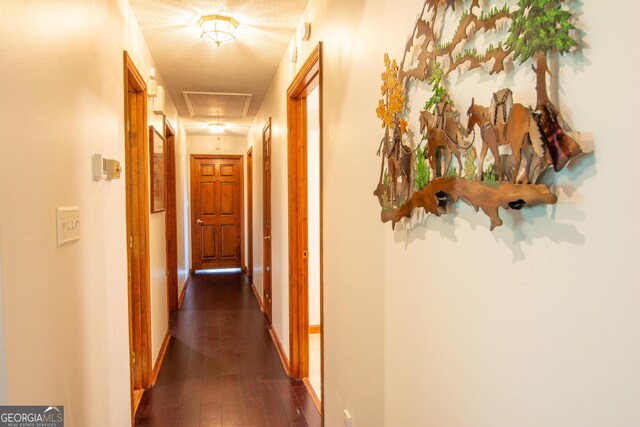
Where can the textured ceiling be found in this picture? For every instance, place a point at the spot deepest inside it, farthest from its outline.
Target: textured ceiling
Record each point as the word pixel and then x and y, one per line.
pixel 188 63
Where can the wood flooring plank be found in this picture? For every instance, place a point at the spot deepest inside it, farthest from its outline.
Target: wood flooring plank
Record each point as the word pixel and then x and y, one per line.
pixel 191 394
pixel 231 388
pixel 254 412
pixel 211 414
pixel 211 390
pixel 274 408
pixel 233 413
pixel 250 388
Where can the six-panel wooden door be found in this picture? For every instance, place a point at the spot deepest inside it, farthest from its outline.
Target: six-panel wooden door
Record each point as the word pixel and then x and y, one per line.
pixel 216 211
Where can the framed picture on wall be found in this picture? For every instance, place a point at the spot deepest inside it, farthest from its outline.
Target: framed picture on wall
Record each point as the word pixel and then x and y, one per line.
pixel 156 159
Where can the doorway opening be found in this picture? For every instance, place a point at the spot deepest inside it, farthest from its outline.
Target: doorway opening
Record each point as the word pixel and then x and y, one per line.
pixel 266 221
pixel 313 231
pixel 217 220
pixel 250 215
pixel 171 222
pixel 137 239
pixel 304 118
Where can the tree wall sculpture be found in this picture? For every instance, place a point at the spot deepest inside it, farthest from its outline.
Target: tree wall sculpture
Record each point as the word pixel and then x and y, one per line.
pixel 444 166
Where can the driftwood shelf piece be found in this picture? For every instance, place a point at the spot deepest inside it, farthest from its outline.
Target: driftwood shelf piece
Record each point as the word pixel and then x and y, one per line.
pixel 486 196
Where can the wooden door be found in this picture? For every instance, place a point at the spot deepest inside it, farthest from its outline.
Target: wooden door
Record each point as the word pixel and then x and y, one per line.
pixel 250 214
pixel 135 309
pixel 216 211
pixel 266 214
pixel 137 239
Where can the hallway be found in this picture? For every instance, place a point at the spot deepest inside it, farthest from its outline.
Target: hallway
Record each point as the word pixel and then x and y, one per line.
pixel 221 367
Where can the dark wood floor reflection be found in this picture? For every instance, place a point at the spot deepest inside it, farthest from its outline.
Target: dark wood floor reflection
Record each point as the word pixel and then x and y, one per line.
pixel 221 367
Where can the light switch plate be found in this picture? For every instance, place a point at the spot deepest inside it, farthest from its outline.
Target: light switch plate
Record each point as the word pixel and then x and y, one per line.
pixel 68 225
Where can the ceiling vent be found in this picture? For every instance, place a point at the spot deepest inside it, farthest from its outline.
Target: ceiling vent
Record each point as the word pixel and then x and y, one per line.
pixel 218 105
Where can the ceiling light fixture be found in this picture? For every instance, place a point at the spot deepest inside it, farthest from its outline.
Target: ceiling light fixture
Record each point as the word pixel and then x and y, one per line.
pixel 218 29
pixel 217 127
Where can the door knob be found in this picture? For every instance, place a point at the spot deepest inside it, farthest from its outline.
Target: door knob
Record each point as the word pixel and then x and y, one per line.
pixel 199 221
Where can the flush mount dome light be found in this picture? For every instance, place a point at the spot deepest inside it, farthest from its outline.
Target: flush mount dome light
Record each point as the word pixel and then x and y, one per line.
pixel 218 29
pixel 217 127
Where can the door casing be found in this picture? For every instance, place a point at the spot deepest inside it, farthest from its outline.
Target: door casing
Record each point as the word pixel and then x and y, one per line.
pixel 137 239
pixel 193 217
pixel 308 78
pixel 267 243
pixel 171 222
pixel 250 214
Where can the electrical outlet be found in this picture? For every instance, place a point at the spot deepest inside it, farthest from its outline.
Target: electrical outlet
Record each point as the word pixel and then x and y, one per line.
pixel 68 225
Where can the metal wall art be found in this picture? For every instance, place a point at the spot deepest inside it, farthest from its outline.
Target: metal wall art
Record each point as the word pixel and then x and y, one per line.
pixel 435 159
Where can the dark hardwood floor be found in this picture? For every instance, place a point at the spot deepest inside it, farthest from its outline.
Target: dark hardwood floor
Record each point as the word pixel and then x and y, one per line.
pixel 221 367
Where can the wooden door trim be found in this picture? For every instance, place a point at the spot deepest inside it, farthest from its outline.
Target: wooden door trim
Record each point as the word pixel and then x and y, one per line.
pixel 250 214
pixel 308 78
pixel 137 238
pixel 266 301
pixel 171 221
pixel 192 213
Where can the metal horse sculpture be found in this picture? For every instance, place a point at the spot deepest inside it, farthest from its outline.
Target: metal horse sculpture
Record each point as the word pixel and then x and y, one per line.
pixel 400 164
pixel 519 129
pixel 443 132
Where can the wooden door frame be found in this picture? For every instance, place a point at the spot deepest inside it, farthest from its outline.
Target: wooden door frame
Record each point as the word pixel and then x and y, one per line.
pixel 267 303
pixel 137 239
pixel 308 78
pixel 250 214
pixel 171 222
pixel 192 214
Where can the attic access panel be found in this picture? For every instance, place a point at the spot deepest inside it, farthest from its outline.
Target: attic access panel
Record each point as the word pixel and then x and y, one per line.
pixel 218 105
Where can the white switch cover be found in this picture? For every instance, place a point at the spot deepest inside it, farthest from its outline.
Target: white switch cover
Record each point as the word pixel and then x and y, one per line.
pixel 68 220
pixel 97 168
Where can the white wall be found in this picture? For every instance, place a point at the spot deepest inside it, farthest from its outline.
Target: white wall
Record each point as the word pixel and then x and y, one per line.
pixel 143 60
pixel 157 239
pixel 208 144
pixel 182 191
pixel 354 305
pixel 273 106
pixel 443 322
pixel 66 310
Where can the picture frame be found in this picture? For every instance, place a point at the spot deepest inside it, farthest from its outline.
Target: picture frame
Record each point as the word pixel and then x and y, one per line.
pixel 157 170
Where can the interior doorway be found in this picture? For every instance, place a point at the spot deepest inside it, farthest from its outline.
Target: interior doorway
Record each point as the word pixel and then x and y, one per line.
pixel 217 219
pixel 250 215
pixel 313 233
pixel 304 118
pixel 137 239
pixel 266 220
pixel 171 222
